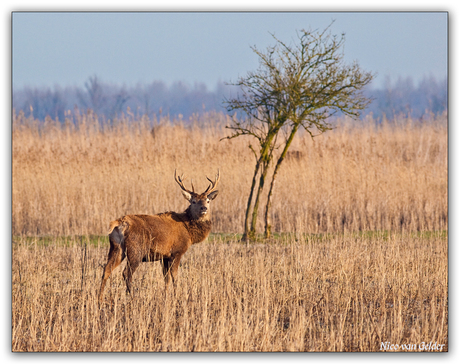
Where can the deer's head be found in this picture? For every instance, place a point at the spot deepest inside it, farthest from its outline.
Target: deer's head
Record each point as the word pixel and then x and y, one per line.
pixel 199 203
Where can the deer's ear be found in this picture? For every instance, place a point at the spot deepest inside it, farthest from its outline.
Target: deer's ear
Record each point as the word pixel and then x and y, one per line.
pixel 213 195
pixel 187 196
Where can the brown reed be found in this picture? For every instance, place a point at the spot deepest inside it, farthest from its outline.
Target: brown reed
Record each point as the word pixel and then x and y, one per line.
pixel 76 176
pixel 344 292
pixel 333 281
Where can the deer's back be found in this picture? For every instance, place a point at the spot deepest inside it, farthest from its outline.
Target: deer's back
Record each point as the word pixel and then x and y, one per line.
pixel 165 234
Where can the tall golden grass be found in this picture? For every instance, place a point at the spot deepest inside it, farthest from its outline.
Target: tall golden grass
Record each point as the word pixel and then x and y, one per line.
pixel 338 293
pixel 362 261
pixel 75 177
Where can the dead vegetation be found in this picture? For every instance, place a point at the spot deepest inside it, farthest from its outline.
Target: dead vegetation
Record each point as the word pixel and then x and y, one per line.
pixel 337 293
pixel 72 179
pixel 365 260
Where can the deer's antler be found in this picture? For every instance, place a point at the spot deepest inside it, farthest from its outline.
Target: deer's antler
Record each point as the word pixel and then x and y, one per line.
pixel 180 182
pixel 213 185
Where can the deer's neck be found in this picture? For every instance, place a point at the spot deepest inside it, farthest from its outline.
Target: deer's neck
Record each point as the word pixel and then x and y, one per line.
pixel 198 229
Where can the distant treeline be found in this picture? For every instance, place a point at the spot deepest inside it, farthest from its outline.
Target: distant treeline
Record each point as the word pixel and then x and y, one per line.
pixel 400 97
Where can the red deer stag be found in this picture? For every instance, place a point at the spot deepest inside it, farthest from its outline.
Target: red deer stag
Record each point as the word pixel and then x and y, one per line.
pixel 165 237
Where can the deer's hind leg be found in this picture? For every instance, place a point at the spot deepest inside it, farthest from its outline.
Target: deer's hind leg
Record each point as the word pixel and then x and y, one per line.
pixel 116 256
pixel 134 259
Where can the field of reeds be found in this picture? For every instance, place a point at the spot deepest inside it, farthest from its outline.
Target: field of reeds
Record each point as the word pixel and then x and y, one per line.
pixel 358 258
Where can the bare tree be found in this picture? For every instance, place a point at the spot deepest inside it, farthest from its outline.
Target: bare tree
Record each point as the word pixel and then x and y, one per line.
pixel 121 98
pixel 94 97
pixel 296 86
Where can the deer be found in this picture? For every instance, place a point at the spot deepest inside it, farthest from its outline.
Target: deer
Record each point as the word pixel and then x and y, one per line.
pixel 164 237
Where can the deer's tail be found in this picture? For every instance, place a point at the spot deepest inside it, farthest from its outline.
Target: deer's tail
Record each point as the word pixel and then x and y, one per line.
pixel 116 232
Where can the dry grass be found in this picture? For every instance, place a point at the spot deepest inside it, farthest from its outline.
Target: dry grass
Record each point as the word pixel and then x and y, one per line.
pixel 74 180
pixel 305 291
pixel 336 293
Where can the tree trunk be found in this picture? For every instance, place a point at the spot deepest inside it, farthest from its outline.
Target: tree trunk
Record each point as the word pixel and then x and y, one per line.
pixel 272 183
pixel 248 208
pixel 252 232
pixel 264 159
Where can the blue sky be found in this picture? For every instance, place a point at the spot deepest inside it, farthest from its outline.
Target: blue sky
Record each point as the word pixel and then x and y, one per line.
pixel 126 48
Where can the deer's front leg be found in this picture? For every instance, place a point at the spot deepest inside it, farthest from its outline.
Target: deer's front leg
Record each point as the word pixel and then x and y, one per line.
pixel 170 268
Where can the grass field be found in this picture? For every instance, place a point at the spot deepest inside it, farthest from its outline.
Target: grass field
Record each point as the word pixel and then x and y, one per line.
pixel 359 257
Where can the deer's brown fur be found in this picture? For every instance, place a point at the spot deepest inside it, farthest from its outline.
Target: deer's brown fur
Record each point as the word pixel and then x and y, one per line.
pixel 165 237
